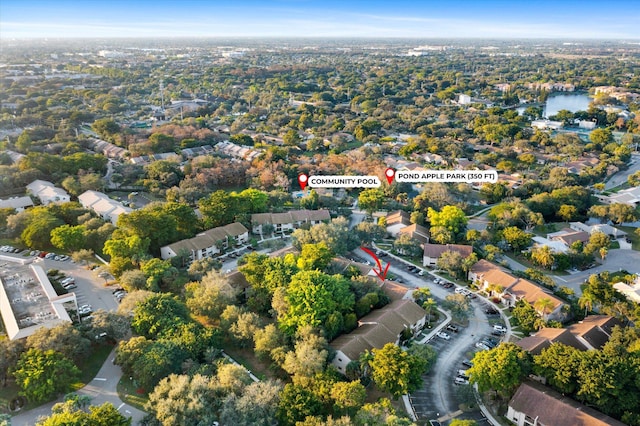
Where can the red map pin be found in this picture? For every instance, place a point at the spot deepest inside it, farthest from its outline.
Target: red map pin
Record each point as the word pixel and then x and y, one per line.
pixel 302 180
pixel 390 174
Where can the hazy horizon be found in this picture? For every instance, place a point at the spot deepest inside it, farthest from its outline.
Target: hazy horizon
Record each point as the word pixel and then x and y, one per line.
pixel 465 19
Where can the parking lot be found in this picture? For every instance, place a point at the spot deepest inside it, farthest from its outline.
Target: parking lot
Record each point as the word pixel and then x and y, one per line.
pixel 90 288
pixel 439 397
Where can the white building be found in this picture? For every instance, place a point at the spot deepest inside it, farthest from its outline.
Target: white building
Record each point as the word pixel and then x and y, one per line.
pixel 104 206
pixel 16 203
pixel 381 326
pixel 631 291
pixel 28 300
pixel 586 124
pixel 288 221
pixel 47 192
pixel 546 124
pixel 464 99
pixel 208 243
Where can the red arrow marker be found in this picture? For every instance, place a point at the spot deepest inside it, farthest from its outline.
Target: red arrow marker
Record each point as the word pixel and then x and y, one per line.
pixel 381 274
pixel 390 174
pixel 302 180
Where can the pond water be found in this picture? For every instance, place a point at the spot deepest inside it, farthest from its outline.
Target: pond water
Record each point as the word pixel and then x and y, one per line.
pixel 570 101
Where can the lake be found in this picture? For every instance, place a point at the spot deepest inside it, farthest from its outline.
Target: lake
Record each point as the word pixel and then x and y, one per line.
pixel 570 101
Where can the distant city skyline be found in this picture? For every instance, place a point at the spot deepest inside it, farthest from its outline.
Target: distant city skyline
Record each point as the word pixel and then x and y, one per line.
pixel 571 19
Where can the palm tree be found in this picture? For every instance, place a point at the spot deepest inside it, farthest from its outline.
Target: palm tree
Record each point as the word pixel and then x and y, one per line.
pixel 365 362
pixel 587 301
pixel 544 306
pixel 429 305
pixel 603 252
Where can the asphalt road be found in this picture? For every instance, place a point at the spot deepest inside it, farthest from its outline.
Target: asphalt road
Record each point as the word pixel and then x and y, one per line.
pixel 615 261
pixel 621 177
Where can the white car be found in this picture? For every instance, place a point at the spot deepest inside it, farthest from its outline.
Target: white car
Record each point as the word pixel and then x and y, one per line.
pixel 443 335
pixel 461 381
pixel 85 309
pixel 482 346
pixel 499 329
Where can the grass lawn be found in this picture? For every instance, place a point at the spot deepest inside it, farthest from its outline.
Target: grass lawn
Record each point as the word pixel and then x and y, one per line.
pixel 91 366
pixel 128 393
pixel 247 358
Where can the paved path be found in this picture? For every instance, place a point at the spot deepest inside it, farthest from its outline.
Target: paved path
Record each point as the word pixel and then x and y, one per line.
pixel 103 388
pixel 621 177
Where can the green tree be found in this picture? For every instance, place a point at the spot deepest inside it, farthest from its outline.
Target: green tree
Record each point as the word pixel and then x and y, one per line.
pixel 157 314
pixel 10 351
pixel 314 257
pixel 185 400
pixel 71 413
pixel 218 209
pixel 601 136
pixel 567 212
pixel 460 422
pixel 158 272
pixel 291 138
pixel 310 354
pixel 559 364
pixel 348 396
pixel 501 369
pixel 516 238
pixel 450 217
pixel 63 338
pixel 597 240
pixel 82 256
pixel 296 404
pixel 526 317
pixel 543 256
pixel 371 200
pixel 396 371
pixel 41 375
pixel 210 296
pixel 107 128
pixel 450 261
pixel 369 232
pixel 406 245
pixel 311 297
pixel 459 306
pixel 544 306
pixel 256 406
pixel 38 231
pixel 68 238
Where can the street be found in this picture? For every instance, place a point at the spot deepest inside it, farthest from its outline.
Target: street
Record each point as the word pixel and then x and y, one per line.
pixel 621 177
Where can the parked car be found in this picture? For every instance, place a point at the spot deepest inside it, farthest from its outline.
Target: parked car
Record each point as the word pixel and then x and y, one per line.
pixel 467 363
pixel 491 311
pixel 452 327
pixel 482 346
pixel 460 381
pixel 488 343
pixel 499 328
pixel 463 374
pixel 443 335
pixel 85 309
pixel 69 286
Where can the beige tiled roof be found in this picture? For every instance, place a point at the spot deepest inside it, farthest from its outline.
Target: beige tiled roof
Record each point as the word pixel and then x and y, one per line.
pixel 378 328
pixel 436 250
pixel 551 408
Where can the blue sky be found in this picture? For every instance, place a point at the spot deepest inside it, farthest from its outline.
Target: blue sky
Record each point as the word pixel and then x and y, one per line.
pixel 572 19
